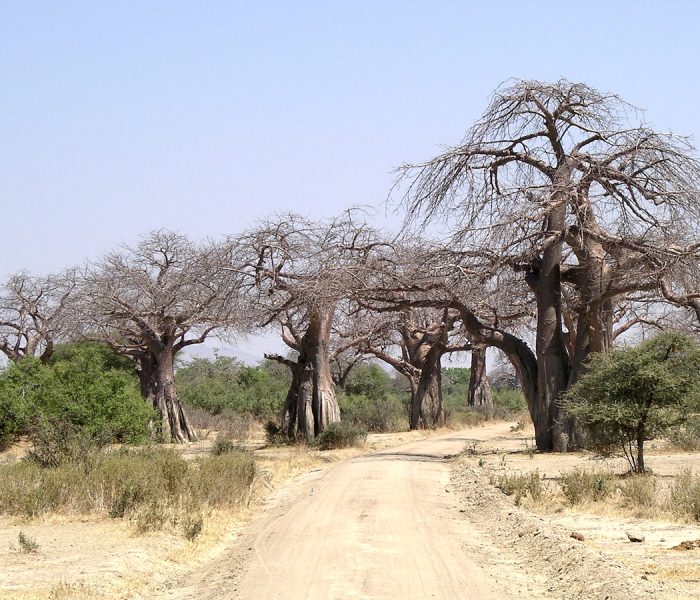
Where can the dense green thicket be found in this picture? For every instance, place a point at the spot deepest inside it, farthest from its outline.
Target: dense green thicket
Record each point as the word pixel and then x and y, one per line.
pixel 369 400
pixel 377 401
pixel 632 395
pixel 226 384
pixel 84 389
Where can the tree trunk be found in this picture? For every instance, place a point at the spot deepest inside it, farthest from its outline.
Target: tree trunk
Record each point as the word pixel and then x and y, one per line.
pixel 146 370
pixel 426 404
pixel 311 404
pixel 640 450
pixel 175 426
pixel 480 396
pixel 552 358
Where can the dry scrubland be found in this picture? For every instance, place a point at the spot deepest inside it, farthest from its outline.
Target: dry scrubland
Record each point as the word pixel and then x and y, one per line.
pixel 545 498
pixel 120 524
pixel 130 523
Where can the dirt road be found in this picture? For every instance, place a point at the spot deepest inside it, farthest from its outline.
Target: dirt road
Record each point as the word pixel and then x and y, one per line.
pixel 411 521
pixel 381 525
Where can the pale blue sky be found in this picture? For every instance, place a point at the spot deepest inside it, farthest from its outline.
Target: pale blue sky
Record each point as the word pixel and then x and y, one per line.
pixel 120 117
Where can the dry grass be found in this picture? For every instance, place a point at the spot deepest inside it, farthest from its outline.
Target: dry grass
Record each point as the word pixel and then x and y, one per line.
pixel 581 486
pixel 234 426
pixel 521 485
pixel 152 488
pixel 684 500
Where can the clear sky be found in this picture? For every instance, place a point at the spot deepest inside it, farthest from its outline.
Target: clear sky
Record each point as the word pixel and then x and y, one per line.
pixel 119 117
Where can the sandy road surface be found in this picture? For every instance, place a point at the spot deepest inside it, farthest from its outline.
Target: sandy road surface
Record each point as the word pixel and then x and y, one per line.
pixel 378 526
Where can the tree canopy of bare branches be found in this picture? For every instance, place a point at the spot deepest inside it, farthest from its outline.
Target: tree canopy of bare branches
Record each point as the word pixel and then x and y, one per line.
pixel 558 183
pixel 153 300
pixel 297 271
pixel 33 314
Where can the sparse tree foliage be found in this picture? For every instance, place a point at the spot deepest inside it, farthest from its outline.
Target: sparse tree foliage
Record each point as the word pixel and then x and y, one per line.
pixel 631 395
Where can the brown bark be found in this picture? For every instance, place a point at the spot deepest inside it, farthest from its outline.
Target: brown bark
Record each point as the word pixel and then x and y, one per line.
pixel 311 404
pixel 480 396
pixel 175 426
pixel 551 432
pixel 426 403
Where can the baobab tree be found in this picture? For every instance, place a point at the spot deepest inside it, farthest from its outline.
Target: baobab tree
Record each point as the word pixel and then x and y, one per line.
pixel 413 342
pixel 558 183
pixel 33 314
pixel 297 271
pixel 153 300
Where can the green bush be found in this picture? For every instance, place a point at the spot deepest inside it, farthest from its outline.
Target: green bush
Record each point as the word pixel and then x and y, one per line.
pixel 225 384
pixel 81 388
pixel 369 400
pixel 222 445
pixel 632 395
pixel 382 413
pixel 341 435
pixel 508 403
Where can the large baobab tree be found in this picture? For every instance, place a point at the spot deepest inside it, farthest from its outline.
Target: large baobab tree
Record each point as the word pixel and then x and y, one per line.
pixel 556 182
pixel 297 272
pixel 153 300
pixel 413 341
pixel 33 314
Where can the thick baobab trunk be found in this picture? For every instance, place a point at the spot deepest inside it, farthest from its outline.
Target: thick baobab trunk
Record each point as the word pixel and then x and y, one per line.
pixel 480 396
pixel 175 426
pixel 426 403
pixel 311 404
pixel 146 370
pixel 552 357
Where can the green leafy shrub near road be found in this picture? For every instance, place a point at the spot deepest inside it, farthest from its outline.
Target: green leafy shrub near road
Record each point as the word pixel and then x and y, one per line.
pixel 369 400
pixel 341 435
pixel 632 395
pixel 83 389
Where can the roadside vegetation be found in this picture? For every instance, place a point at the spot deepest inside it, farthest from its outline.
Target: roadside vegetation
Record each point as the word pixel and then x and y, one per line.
pixel 604 492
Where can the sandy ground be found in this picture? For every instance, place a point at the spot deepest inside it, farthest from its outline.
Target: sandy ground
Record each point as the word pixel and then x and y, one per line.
pixel 414 520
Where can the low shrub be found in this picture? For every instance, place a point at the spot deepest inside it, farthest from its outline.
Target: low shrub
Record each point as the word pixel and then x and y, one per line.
pixel 686 437
pixel 58 441
pixel 521 485
pixel 380 414
pixel 580 485
pixel 640 492
pixel 222 445
pixel 341 435
pixel 508 403
pixel 150 486
pixel 27 544
pixel 233 425
pixel 464 417
pixel 275 435
pixel 192 527
pixel 685 496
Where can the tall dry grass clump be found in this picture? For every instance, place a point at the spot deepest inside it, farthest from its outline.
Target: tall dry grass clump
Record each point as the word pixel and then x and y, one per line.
pixel 152 487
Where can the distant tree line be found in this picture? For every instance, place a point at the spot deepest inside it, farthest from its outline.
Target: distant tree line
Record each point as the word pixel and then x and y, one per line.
pixel 571 225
